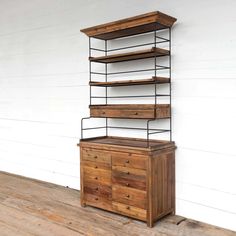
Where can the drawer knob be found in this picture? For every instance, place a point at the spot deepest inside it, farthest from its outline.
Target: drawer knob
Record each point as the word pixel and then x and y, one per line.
pixel 127 207
pixel 127 184
pixel 96 189
pixel 136 113
pixel 128 173
pixel 127 196
pixel 95 157
pixel 96 167
pixel 96 178
pixel 127 161
pixel 96 198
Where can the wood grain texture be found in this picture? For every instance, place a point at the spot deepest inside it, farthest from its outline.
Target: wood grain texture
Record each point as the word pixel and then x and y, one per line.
pixel 130 26
pixel 136 55
pixel 131 111
pixel 136 181
pixel 153 80
pixel 31 207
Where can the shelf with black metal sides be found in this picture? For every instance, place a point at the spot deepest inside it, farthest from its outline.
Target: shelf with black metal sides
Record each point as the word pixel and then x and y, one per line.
pixel 134 177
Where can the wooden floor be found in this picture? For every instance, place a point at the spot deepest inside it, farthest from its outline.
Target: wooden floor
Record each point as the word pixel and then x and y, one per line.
pixel 31 207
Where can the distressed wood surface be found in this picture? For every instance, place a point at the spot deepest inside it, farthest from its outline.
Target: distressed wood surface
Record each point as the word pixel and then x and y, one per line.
pixel 130 26
pixel 133 111
pixel 136 55
pixel 153 80
pixel 31 207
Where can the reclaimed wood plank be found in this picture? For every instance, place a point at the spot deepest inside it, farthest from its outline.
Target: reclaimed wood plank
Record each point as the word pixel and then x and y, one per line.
pixel 129 26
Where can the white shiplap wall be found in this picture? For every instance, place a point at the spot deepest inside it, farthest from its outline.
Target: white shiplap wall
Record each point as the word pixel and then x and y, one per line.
pixel 44 94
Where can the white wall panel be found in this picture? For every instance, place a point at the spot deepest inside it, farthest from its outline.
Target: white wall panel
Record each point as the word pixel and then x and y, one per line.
pixel 44 93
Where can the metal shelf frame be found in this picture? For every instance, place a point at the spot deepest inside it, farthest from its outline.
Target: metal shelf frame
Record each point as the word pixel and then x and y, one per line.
pixel 149 131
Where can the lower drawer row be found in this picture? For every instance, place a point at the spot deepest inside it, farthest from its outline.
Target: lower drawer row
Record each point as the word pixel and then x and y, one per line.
pixel 125 195
pixel 115 206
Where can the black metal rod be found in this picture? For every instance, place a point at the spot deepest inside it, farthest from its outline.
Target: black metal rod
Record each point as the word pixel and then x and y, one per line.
pixel 134 46
pixel 97 49
pixel 101 127
pixel 155 66
pixel 98 73
pixel 170 88
pixel 159 37
pixel 130 71
pixel 106 87
pixel 90 75
pixel 165 67
pixel 161 131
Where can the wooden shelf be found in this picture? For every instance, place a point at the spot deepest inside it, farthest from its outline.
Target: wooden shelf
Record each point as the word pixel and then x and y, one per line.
pixel 141 54
pixel 131 111
pixel 126 143
pixel 131 26
pixel 153 80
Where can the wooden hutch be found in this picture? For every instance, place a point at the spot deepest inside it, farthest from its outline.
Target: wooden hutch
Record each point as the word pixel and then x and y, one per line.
pixel 131 176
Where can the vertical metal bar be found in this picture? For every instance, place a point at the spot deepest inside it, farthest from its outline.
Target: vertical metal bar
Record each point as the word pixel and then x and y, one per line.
pixel 148 133
pixel 90 74
pixel 170 84
pixel 155 44
pixel 82 128
pixel 106 87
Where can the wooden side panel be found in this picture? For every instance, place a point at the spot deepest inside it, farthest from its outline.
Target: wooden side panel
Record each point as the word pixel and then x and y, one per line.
pixel 163 184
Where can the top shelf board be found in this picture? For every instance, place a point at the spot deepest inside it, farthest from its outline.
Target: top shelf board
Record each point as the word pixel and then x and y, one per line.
pixel 131 26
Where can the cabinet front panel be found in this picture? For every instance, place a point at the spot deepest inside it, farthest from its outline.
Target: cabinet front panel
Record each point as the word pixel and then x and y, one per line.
pixel 97 165
pixel 129 196
pixel 100 190
pixel 96 155
pixel 98 201
pixel 97 175
pixel 131 211
pixel 129 160
pixel 129 179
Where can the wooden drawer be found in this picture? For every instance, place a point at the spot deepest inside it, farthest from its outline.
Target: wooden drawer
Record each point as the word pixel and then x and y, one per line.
pixel 97 201
pixel 129 196
pixel 97 189
pixel 128 177
pixel 96 155
pixel 131 211
pixel 96 165
pixel 139 111
pixel 97 175
pixel 129 160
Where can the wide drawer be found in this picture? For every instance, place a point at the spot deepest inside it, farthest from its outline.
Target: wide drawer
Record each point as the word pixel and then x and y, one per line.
pixel 96 165
pixel 129 160
pixel 130 211
pixel 139 111
pixel 129 196
pixel 97 176
pixel 97 189
pixel 96 155
pixel 97 201
pixel 129 177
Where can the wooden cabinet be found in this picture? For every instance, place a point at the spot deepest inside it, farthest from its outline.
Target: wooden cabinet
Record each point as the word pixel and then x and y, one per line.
pixel 132 180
